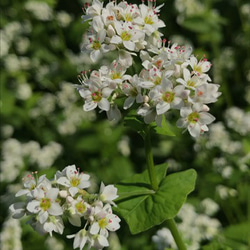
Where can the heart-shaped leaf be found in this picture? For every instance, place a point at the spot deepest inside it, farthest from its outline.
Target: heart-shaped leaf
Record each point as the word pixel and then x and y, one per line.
pixel 143 211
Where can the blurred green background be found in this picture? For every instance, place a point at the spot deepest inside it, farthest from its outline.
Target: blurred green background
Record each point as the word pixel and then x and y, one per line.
pixel 44 128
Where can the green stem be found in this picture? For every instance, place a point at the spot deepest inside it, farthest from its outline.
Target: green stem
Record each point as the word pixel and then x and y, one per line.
pixel 150 160
pixel 177 237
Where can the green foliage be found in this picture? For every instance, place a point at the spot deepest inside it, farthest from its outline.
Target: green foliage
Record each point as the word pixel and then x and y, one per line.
pixel 145 208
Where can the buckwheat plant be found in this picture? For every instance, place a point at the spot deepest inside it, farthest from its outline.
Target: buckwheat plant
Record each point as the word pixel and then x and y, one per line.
pixel 171 80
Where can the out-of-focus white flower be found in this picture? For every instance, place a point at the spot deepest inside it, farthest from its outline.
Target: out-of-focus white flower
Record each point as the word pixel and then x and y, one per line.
pixel 7 131
pixel 238 120
pixel 225 192
pixel 210 207
pixel 53 243
pixel 63 18
pixel 41 10
pixel 10 237
pixel 123 146
pixel 4 44
pixel 164 239
pixel 23 91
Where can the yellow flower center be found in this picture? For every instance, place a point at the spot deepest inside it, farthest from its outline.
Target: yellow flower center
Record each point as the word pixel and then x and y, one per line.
pixel 157 80
pixel 80 207
pixel 45 204
pixel 190 83
pixel 96 45
pixel 96 96
pixel 103 223
pixel 148 20
pixel 74 181
pixel 125 36
pixel 193 117
pixel 168 97
pixel 128 17
pixel 116 75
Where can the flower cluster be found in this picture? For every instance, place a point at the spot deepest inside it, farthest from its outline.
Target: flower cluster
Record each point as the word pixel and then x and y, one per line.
pixel 171 77
pixel 47 201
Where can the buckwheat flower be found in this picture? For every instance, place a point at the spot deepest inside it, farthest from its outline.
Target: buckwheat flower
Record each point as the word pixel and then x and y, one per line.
pixel 166 96
pixel 189 80
pixel 148 19
pixel 54 223
pixel 114 114
pixel 149 114
pixel 201 67
pixel 95 44
pixel 77 209
pixel 108 193
pixel 71 178
pixel 195 119
pixel 95 92
pixel 114 74
pixel 98 241
pixel 207 93
pixel 94 10
pixel 128 36
pixel 80 239
pixel 44 204
pixel 133 92
pixel 17 210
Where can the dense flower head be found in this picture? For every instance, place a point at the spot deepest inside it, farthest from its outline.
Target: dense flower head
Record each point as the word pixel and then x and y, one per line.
pixel 48 202
pixel 170 78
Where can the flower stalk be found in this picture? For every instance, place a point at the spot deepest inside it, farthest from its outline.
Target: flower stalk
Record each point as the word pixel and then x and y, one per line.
pixel 175 233
pixel 150 160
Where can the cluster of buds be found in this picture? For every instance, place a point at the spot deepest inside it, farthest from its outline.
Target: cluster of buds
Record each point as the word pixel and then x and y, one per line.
pixel 171 78
pixel 47 202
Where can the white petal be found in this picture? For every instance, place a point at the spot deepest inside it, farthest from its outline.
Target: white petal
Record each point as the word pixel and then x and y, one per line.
pixel 194 129
pixel 73 191
pixel 43 216
pixel 206 118
pixel 129 45
pixel 55 209
pixel 116 40
pixel 104 104
pixel 162 107
pixel 52 193
pixel 88 106
pixel 33 206
pixel 63 181
pixel 128 102
pixel 94 229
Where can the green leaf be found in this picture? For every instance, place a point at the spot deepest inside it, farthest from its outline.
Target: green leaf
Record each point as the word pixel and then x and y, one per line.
pixel 143 211
pixel 165 128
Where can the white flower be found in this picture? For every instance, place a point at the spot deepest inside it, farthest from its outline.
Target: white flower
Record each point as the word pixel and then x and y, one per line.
pixel 128 36
pixel 149 19
pixel 133 91
pixel 199 68
pixel 194 119
pixel 44 204
pixel 104 221
pixel 54 224
pixel 166 96
pixel 80 239
pixel 98 241
pixel 108 193
pixel 73 179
